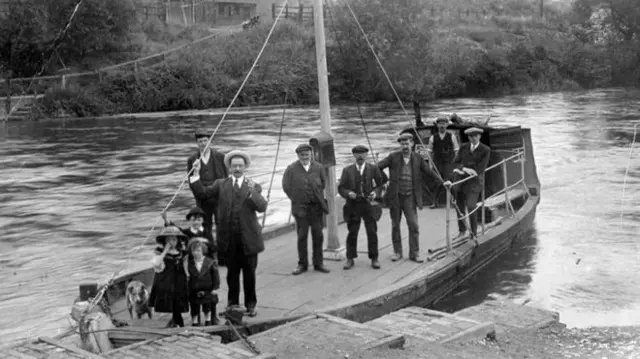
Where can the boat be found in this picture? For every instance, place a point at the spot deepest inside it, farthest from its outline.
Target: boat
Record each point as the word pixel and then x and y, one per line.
pixel 507 206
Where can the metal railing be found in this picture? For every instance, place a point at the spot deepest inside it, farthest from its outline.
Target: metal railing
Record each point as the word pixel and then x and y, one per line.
pixel 518 157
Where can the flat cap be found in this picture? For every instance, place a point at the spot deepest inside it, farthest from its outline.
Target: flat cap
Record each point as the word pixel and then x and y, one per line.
pixel 201 132
pixel 405 136
pixel 303 147
pixel 473 130
pixel 359 149
pixel 441 119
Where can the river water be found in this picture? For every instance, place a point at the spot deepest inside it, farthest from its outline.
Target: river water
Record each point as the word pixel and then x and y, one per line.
pixel 78 199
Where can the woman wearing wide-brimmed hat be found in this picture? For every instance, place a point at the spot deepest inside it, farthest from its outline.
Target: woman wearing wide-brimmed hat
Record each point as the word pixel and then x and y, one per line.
pixel 169 293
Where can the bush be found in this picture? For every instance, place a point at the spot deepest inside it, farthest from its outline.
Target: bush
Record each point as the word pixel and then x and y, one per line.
pixel 73 102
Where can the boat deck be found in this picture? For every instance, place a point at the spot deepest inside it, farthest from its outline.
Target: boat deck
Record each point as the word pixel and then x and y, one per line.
pixel 281 294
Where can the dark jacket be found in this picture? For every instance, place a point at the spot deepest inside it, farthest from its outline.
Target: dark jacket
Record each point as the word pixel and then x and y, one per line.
pixel 477 160
pixel 204 280
pixel 222 192
pixel 212 249
pixel 209 173
pixel 170 286
pixel 372 178
pixel 420 173
pixel 295 180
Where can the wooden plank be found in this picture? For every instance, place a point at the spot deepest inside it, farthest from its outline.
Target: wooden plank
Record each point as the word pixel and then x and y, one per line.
pixel 507 314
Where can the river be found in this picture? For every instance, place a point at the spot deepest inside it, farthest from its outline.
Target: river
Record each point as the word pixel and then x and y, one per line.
pixel 78 199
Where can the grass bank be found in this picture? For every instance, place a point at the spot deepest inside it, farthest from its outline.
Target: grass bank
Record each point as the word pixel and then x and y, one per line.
pixel 467 56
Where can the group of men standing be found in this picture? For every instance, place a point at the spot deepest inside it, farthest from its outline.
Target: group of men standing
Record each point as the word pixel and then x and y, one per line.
pixel 223 192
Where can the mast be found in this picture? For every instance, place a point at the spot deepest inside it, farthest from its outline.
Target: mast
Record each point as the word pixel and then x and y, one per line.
pixel 333 242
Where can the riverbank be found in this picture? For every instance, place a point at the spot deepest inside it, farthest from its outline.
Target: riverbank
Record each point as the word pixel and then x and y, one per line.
pixel 469 57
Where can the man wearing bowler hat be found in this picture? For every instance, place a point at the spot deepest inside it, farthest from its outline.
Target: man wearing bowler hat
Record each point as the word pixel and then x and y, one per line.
pixel 472 160
pixel 358 185
pixel 443 148
pixel 209 168
pixel 304 182
pixel 240 239
pixel 407 172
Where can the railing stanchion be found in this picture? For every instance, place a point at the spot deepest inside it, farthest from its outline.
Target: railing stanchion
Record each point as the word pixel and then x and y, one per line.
pixel 482 209
pixel 506 184
pixel 448 209
pixel 522 172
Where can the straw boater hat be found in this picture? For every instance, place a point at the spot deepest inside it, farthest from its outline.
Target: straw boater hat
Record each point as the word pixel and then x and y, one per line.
pixel 195 211
pixel 171 231
pixel 473 131
pixel 200 240
pixel 237 153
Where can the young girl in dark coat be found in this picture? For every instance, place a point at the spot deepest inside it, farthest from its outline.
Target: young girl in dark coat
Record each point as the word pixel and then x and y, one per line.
pixel 204 280
pixel 169 293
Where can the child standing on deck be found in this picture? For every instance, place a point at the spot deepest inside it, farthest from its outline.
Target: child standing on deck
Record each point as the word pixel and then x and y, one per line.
pixel 195 217
pixel 169 293
pixel 204 280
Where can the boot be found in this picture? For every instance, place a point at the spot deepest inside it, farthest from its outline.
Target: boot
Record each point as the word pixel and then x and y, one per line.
pixel 214 316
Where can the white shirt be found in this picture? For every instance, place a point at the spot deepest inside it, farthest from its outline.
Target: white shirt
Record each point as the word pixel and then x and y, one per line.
pixel 361 168
pixel 198 264
pixel 306 167
pixel 205 157
pixel 238 180
pixel 406 159
pixel 195 231
pixel 473 147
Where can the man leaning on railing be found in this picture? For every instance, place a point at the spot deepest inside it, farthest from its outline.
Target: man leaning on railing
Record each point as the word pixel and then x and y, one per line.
pixel 469 165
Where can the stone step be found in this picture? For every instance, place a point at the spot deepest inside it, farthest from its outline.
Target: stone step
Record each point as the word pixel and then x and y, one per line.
pixel 184 345
pixel 508 315
pixel 433 326
pixel 323 336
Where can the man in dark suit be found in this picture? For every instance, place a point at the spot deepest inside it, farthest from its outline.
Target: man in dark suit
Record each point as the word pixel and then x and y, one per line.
pixel 239 233
pixel 443 148
pixel 358 185
pixel 304 182
pixel 211 168
pixel 472 160
pixel 407 172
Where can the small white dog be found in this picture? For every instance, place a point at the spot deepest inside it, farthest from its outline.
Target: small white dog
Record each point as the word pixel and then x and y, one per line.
pixel 138 299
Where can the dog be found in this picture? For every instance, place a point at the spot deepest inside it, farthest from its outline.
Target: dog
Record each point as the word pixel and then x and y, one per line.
pixel 138 299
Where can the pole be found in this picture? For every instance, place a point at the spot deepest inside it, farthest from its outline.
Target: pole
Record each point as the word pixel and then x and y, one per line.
pixel 333 243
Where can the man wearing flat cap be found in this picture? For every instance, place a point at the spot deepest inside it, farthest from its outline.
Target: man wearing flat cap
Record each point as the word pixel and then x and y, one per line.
pixel 304 182
pixel 240 239
pixel 209 168
pixel 358 185
pixel 407 173
pixel 472 160
pixel 443 148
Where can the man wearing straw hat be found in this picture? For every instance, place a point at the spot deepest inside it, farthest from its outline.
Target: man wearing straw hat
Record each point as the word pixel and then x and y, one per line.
pixel 358 185
pixel 209 168
pixel 240 240
pixel 472 160
pixel 407 173
pixel 443 148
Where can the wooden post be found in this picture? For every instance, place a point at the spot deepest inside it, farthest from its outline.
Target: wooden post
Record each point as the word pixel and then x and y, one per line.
pixel 193 12
pixel 273 11
pixel 300 12
pixel 8 97
pixel 542 9
pixel 333 241
pixel 63 83
pixel 286 11
pixel 448 208
pixel 417 113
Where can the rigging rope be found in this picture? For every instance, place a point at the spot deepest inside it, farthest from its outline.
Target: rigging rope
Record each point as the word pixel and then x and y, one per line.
pixel 626 173
pixel 102 291
pixel 275 162
pixel 415 130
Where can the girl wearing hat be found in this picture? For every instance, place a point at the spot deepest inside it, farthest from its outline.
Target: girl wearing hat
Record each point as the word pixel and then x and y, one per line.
pixel 169 293
pixel 195 217
pixel 204 280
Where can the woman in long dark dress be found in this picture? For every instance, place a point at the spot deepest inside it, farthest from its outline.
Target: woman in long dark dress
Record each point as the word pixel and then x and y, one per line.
pixel 169 293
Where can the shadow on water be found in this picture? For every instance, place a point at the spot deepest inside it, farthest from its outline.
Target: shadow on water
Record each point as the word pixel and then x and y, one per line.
pixel 506 278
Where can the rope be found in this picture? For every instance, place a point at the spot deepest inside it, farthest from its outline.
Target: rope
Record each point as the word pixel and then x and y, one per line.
pixel 415 130
pixel 52 49
pixel 275 162
pixel 102 291
pixel 626 173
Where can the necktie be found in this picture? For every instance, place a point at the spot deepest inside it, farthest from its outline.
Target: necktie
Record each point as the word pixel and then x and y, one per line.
pixel 236 185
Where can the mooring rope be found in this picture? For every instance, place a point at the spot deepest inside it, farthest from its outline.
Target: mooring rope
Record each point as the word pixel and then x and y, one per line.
pixel 415 130
pixel 102 291
pixel 626 173
pixel 275 162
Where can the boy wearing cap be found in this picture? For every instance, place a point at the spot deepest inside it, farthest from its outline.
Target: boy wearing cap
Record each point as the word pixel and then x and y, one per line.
pixel 443 148
pixel 195 217
pixel 304 182
pixel 358 185
pixel 407 172
pixel 472 160
pixel 209 168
